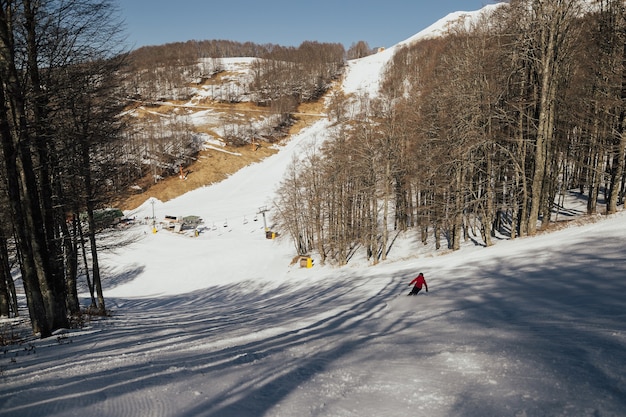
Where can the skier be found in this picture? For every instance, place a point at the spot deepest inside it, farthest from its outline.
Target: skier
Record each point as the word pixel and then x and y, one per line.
pixel 418 281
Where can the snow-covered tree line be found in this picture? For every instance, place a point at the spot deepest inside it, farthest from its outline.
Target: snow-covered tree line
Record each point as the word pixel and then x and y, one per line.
pixel 169 71
pixel 302 74
pixel 476 132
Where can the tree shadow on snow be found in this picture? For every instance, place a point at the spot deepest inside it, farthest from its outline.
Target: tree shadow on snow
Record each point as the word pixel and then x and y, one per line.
pixel 555 327
pixel 149 343
pixel 551 327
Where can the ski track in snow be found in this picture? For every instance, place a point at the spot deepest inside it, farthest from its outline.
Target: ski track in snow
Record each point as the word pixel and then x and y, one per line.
pixel 544 336
pixel 222 326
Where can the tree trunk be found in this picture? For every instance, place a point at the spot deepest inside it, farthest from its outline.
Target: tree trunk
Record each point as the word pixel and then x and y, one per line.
pixel 594 181
pixel 92 294
pixel 71 265
pixel 457 221
pixel 553 20
pixel 386 201
pixel 48 313
pixel 542 142
pixel 10 285
pixel 5 277
pixel 618 170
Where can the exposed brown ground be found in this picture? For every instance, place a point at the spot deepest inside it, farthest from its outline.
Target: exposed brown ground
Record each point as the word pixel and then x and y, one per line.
pixel 213 166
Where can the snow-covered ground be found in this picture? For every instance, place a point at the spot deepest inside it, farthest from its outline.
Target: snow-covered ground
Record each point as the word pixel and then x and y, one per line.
pixel 223 325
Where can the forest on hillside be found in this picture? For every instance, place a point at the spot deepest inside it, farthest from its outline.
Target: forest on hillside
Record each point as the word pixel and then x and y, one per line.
pixel 171 71
pixel 70 144
pixel 483 129
pixel 476 133
pixel 278 81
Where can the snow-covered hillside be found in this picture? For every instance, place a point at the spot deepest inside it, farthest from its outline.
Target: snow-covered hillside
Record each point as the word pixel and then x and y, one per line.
pixel 369 70
pixel 222 324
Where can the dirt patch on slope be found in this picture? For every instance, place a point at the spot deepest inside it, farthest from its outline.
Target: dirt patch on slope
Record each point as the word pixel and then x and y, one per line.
pixel 210 167
pixel 213 166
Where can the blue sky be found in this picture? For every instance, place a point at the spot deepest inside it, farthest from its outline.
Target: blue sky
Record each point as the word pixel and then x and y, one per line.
pixel 283 22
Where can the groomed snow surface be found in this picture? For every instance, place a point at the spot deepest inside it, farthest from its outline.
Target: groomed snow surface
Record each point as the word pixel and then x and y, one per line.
pixel 223 325
pixel 532 327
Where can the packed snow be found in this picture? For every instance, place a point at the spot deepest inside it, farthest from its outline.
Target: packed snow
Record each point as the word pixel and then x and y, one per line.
pixel 218 321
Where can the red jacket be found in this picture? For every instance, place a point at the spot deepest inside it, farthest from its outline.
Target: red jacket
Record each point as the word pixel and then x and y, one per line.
pixel 419 281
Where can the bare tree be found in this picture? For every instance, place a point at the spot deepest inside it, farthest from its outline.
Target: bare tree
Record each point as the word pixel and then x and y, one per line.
pixel 469 132
pixel 548 33
pixel 359 49
pixel 41 43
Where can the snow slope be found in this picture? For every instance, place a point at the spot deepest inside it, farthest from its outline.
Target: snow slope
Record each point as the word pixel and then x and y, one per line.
pixel 369 70
pixel 222 325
